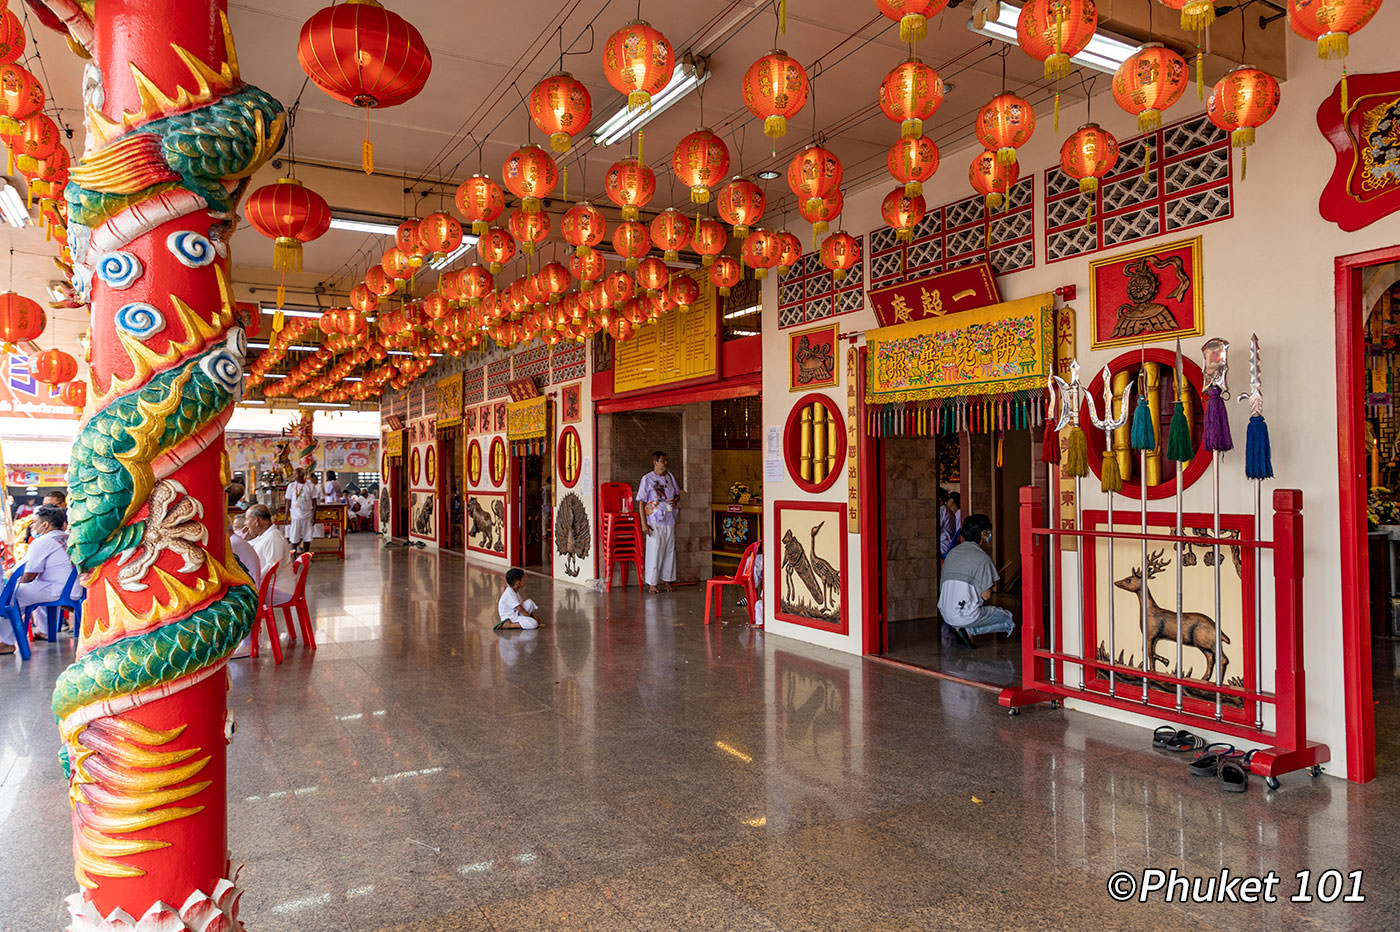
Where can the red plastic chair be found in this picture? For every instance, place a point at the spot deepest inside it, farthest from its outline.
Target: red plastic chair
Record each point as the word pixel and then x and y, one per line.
pixel 616 497
pixel 296 607
pixel 265 617
pixel 743 578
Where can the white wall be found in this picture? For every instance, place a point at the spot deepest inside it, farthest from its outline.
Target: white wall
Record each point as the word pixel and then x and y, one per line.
pixel 1268 270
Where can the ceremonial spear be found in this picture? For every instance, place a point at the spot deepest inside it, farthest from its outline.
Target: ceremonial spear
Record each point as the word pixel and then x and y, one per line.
pixel 1180 450
pixel 1070 397
pixel 1111 481
pixel 1143 438
pixel 1217 440
pixel 1258 466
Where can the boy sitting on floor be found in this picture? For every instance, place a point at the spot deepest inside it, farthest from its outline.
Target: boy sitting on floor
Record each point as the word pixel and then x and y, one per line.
pixel 514 611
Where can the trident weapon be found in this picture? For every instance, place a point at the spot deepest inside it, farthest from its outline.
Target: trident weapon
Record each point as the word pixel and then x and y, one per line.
pixel 1217 440
pixel 1108 424
pixel 1067 397
pixel 1258 467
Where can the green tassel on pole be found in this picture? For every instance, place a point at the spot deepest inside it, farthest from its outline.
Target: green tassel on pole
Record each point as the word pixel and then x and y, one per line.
pixel 1143 437
pixel 1076 454
pixel 1179 448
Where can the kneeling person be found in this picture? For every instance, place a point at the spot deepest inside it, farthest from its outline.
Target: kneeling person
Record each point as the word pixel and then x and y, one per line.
pixel 968 576
pixel 513 610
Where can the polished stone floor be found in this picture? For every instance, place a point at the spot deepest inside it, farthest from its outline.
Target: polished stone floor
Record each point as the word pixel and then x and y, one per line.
pixel 628 768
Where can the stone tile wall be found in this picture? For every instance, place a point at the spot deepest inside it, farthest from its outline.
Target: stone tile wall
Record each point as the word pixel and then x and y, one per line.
pixel 911 528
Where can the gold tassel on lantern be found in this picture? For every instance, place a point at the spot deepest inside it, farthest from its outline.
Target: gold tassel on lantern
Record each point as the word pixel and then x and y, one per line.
pixel 782 17
pixel 1147 163
pixel 367 149
pixel 1057 110
pixel 1200 74
pixel 1344 79
pixel 564 184
pixel 641 138
pixel 913 28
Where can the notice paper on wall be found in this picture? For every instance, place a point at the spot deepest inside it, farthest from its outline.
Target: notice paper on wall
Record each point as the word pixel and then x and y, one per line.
pixel 773 456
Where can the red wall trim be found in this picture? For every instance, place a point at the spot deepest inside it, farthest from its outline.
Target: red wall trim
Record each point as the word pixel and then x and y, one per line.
pixel 714 391
pixel 1351 492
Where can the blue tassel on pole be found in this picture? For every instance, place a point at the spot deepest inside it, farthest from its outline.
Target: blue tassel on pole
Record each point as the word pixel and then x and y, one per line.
pixel 1143 437
pixel 1258 457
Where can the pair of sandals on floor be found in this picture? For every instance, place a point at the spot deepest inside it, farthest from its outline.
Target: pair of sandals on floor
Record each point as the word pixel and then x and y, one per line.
pixel 664 587
pixel 1217 759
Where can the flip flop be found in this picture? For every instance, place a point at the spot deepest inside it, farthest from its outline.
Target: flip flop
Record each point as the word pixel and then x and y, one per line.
pixel 1233 777
pixel 6 653
pixel 500 625
pixel 1208 761
pixel 1177 741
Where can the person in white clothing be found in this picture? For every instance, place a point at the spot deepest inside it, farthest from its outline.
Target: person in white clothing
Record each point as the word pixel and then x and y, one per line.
pixel 46 568
pixel 513 610
pixel 246 555
pixel 331 493
pixel 658 498
pixel 271 547
pixel 301 509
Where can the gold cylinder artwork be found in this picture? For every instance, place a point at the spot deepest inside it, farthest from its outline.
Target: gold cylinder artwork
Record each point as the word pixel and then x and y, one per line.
pixel 1154 404
pixel 819 460
pixel 805 445
pixel 1122 437
pixel 830 442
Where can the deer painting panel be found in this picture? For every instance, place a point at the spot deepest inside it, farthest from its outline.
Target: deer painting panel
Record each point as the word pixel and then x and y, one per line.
pixel 1119 593
pixel 808 564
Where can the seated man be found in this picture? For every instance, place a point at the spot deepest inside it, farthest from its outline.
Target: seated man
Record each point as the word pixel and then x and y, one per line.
pixel 271 547
pixel 968 576
pixel 46 568
pixel 513 610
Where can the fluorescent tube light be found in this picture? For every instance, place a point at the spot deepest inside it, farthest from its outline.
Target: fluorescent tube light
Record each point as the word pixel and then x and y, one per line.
pixel 252 402
pixel 1105 51
pixel 744 312
pixel 437 265
pixel 298 347
pixel 324 404
pixel 275 375
pixel 364 226
pixel 352 378
pixel 12 207
pixel 687 77
pixel 290 312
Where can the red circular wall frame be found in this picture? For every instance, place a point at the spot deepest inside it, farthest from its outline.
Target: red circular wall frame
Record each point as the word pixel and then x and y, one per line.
pixel 415 465
pixel 498 461
pixel 474 463
pixel 569 457
pixel 792 443
pixel 1131 360
pixel 430 466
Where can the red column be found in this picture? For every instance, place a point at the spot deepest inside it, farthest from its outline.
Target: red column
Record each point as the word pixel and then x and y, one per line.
pixel 142 710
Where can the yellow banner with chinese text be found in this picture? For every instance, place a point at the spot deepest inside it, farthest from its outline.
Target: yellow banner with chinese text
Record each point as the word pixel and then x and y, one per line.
pixel 527 420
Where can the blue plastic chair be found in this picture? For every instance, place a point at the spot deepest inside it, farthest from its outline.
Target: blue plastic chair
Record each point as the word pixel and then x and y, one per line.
pixel 55 607
pixel 9 609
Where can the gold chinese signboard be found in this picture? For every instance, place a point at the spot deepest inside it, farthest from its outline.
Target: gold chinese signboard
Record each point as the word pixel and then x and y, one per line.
pixel 449 393
pixel 527 420
pixel 683 346
pixel 993 350
pixel 852 440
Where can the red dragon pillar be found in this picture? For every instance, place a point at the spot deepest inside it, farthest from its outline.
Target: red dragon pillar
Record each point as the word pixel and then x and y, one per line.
pixel 172 135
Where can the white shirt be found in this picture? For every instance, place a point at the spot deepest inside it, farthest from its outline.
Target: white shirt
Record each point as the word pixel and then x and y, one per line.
pixel 271 547
pixel 330 492
pixel 48 557
pixel 510 605
pixel 302 496
pixel 247 556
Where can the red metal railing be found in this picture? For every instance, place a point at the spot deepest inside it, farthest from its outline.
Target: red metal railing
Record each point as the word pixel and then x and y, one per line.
pixel 1043 670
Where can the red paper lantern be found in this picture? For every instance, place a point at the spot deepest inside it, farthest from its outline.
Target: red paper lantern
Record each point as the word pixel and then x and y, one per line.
pixel 440 233
pixel 583 227
pixel 409 238
pixel 638 61
pixel 670 232
pixel 840 253
pixel 21 96
pixel 912 161
pixel 912 16
pixel 700 160
pixel 1148 82
pixel 813 173
pixel 379 282
pixel 1004 125
pixel 631 241
pixel 11 40
pixel 435 306
pixel 21 319
pixel 561 107
pixel 991 178
pixel 902 213
pixel 683 291
pixel 760 251
pixel 1088 155
pixel 1195 14
pixel 741 205
pixel 396 264
pixel 554 279
pixel 1330 22
pixel 652 274
pixel 617 288
pixel 789 251
pixel 530 174
pixel 289 214
pixel 709 240
pixel 1054 31
pixel 74 394
pixel 910 94
pixel 530 228
pixel 363 299
pixel 588 267
pixel 820 214
pixel 353 322
pixel 37 139
pixel 495 247
pixel 364 55
pixel 480 201
pixel 630 185
pixel 1241 101
pixel 49 175
pixel 477 283
pixel 53 367
pixel 725 273
pixel 775 88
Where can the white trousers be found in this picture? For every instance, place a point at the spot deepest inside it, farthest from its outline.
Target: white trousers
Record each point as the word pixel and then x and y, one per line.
pixel 299 530
pixel 525 621
pixel 660 563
